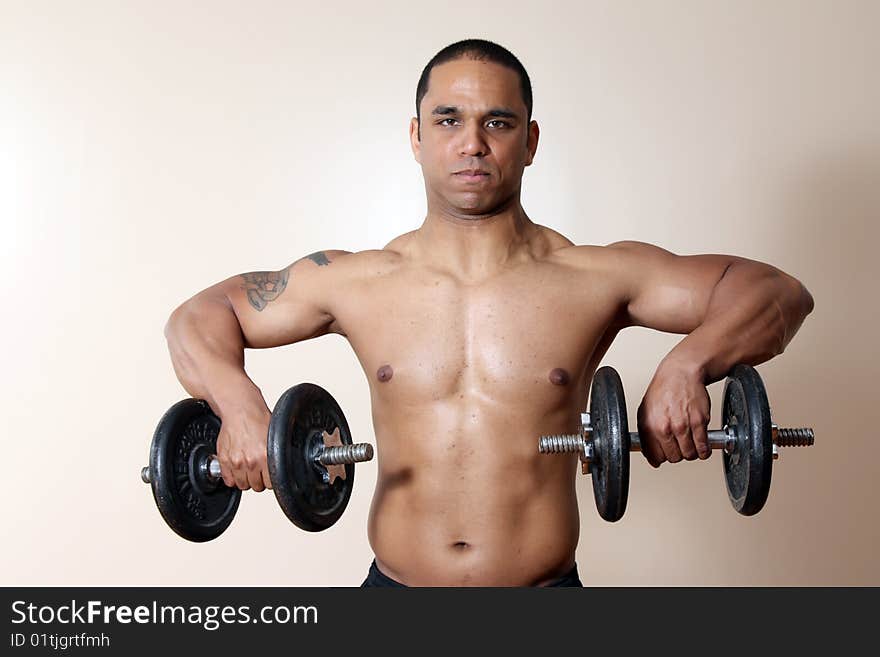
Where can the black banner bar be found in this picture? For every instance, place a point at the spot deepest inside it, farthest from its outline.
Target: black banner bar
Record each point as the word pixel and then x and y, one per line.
pixel 241 621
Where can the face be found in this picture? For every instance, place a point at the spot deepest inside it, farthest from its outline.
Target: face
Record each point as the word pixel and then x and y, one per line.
pixel 473 117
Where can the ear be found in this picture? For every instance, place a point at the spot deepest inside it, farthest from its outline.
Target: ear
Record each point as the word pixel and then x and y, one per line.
pixel 532 143
pixel 414 142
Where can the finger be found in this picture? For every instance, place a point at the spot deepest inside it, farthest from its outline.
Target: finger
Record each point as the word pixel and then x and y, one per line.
pixel 701 436
pixel 650 446
pixel 267 481
pixel 220 453
pixel 255 480
pixel 226 472
pixel 647 452
pixel 653 452
pixel 239 472
pixel 670 445
pixel 684 438
pixel 253 465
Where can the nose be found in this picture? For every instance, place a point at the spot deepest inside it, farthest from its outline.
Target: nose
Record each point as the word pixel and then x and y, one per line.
pixel 473 142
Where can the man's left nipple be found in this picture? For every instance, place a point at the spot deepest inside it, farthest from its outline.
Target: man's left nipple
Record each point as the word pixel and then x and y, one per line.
pixel 559 377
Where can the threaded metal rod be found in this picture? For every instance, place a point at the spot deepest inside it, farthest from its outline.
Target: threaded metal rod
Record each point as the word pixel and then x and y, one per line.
pixel 560 443
pixel 339 454
pixel 801 437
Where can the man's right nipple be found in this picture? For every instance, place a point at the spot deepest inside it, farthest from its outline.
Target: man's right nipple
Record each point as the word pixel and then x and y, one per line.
pixel 384 373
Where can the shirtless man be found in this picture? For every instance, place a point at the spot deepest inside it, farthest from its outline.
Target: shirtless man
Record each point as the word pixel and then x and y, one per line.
pixel 479 332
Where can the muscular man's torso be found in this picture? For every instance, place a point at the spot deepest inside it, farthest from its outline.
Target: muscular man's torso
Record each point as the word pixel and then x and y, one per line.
pixel 464 378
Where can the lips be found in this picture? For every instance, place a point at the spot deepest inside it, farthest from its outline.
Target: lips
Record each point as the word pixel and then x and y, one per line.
pixel 472 175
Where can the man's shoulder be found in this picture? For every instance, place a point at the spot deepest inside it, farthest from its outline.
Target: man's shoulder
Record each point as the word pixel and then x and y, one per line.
pixel 367 263
pixel 617 256
pixel 583 257
pixel 389 257
pixel 399 244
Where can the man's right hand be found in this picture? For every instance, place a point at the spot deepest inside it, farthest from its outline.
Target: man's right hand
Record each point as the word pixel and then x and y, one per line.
pixel 241 448
pixel 208 333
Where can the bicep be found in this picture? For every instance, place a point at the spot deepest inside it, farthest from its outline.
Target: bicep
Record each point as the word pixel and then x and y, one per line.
pixel 276 308
pixel 665 291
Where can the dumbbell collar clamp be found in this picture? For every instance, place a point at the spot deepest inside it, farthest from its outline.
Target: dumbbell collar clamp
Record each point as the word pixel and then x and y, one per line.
pixel 586 452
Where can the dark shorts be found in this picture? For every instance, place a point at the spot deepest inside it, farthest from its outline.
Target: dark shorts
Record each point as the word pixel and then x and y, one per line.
pixel 377 578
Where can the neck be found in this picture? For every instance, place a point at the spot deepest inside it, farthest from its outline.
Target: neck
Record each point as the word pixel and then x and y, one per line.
pixel 474 246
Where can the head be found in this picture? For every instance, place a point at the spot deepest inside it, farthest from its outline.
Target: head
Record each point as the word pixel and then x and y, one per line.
pixel 476 101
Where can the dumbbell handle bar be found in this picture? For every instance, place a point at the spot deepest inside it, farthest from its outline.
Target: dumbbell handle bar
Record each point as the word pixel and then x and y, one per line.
pixel 333 455
pixel 718 439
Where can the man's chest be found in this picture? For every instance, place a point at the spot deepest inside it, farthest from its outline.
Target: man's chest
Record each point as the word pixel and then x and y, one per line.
pixel 525 333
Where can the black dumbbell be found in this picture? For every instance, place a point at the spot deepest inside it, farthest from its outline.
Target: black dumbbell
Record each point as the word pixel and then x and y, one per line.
pixel 184 471
pixel 749 439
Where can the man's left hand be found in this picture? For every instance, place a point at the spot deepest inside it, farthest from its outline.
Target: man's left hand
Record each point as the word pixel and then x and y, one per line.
pixel 673 416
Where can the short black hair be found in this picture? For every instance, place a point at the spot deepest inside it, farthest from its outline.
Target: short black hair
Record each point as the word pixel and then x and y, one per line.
pixel 481 50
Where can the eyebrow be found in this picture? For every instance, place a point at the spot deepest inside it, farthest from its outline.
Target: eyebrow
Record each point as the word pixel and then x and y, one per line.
pixel 505 112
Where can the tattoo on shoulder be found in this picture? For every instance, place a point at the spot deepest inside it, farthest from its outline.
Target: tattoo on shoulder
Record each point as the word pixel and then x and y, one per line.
pixel 265 286
pixel 318 257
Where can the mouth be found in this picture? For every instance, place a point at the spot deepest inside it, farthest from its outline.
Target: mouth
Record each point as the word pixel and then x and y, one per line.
pixel 472 175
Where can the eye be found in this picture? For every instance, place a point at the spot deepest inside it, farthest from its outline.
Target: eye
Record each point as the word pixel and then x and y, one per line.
pixel 505 123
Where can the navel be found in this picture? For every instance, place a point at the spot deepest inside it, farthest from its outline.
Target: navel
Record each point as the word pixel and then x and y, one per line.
pixel 558 377
pixel 384 373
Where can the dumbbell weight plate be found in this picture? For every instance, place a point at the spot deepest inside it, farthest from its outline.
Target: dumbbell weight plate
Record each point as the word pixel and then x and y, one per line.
pixel 748 467
pixel 296 436
pixel 193 506
pixel 609 468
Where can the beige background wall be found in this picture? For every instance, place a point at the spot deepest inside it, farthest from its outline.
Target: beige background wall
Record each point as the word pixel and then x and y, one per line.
pixel 150 149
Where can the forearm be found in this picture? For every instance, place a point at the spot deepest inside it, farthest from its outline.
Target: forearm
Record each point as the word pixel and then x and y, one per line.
pixel 752 315
pixel 207 352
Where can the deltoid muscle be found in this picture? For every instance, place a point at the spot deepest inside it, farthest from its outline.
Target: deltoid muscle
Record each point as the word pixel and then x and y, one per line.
pixel 265 286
